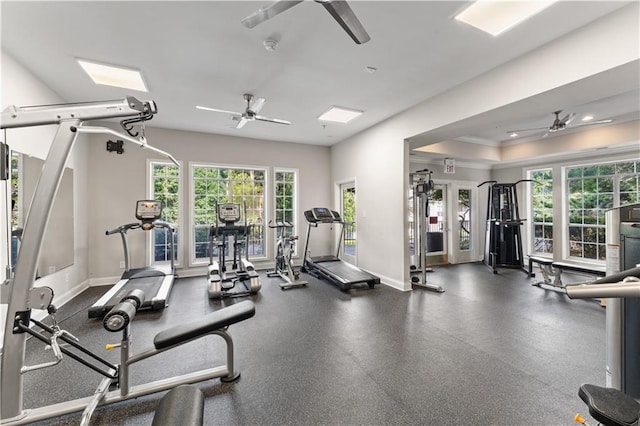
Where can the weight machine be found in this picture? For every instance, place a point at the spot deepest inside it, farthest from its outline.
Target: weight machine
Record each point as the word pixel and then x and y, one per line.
pixel 422 184
pixel 503 236
pixel 285 247
pixel 19 293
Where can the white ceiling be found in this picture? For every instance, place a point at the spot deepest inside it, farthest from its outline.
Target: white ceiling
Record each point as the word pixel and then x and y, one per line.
pixel 198 53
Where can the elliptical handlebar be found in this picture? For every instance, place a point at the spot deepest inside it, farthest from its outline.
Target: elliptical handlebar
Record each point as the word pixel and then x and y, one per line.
pixel 122 229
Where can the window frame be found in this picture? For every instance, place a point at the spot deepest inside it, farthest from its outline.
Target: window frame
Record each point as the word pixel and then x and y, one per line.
pixel 295 231
pixel 150 243
pixel 531 214
pixel 198 262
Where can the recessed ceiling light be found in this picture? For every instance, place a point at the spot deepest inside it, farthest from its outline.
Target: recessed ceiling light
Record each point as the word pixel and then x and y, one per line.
pixel 495 17
pixel 587 118
pixel 513 135
pixel 339 114
pixel 110 75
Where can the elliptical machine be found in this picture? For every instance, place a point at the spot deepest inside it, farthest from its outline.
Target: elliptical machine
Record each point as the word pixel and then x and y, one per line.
pixel 503 237
pixel 224 281
pixel 284 252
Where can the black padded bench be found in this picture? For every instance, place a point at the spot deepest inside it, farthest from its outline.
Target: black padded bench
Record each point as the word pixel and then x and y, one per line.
pixel 207 324
pixel 182 405
pixel 610 406
pixel 552 271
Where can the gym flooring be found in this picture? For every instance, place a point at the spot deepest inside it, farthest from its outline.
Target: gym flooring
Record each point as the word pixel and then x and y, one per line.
pixel 491 350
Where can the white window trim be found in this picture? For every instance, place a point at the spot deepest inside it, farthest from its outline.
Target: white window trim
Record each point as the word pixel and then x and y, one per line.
pixel 272 235
pixel 193 262
pixel 180 224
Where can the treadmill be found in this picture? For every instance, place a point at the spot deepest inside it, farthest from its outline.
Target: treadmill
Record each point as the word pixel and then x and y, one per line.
pixel 156 281
pixel 330 267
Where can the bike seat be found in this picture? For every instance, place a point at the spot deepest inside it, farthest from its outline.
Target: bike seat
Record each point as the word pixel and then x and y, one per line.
pixel 610 406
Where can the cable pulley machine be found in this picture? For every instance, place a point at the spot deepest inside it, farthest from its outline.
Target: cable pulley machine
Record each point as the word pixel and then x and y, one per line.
pixel 503 237
pixel 422 185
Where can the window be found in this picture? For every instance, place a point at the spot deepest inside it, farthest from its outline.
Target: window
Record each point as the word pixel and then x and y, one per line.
pixel 542 209
pixel 593 189
pixel 212 185
pixel 285 193
pixel 464 218
pixel 165 185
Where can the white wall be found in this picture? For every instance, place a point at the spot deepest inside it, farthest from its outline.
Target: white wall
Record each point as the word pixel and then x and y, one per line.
pixel 117 181
pixel 378 157
pixel 21 88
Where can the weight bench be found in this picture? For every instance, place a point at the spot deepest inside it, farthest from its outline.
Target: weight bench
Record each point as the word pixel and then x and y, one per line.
pixel 552 271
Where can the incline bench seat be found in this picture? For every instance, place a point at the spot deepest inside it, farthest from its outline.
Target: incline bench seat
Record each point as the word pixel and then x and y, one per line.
pixel 211 322
pixel 552 271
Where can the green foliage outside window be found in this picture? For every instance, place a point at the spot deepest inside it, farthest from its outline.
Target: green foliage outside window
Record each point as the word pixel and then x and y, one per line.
pixel 542 208
pixel 592 191
pixel 216 185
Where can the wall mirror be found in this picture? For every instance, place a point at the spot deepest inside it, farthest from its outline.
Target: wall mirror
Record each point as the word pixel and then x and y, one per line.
pixel 57 248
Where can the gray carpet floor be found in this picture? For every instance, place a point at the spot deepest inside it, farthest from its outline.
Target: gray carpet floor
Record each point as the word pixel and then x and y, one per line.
pixel 491 350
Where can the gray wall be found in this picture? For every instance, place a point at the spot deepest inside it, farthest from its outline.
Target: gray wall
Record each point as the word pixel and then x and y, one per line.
pixel 117 181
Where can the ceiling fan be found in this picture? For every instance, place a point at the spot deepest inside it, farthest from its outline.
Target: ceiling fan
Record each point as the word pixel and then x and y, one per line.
pixel 254 105
pixel 560 124
pixel 339 9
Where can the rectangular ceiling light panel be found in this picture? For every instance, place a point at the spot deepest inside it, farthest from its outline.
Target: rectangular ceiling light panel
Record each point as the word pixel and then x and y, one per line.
pixel 495 17
pixel 339 114
pixel 109 75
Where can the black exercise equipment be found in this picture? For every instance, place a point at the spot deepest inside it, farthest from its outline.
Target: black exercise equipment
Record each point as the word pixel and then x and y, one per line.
pixel 330 267
pixel 156 280
pixel 182 405
pixel 285 247
pixel 241 278
pixel 503 237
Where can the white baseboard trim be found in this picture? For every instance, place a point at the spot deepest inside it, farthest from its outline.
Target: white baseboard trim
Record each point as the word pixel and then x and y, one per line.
pixel 95 282
pixel 390 282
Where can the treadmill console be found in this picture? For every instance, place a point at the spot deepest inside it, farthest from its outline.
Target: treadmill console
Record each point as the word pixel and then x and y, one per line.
pixel 322 215
pixel 148 210
pixel 229 212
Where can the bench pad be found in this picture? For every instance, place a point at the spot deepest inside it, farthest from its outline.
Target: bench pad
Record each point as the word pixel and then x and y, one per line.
pixel 541 260
pixel 182 405
pixel 208 323
pixel 591 270
pixel 610 406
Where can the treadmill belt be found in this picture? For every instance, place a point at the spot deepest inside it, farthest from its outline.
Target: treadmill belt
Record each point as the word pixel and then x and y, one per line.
pixel 347 273
pixel 149 285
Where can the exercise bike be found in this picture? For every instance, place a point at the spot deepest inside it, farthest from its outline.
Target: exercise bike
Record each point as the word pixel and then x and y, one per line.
pixel 284 253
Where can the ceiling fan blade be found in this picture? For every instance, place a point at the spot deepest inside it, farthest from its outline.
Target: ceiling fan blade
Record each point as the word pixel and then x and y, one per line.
pixel 272 120
pixel 568 118
pixel 217 110
pixel 527 130
pixel 592 123
pixel 256 105
pixel 267 12
pixel 342 13
pixel 241 123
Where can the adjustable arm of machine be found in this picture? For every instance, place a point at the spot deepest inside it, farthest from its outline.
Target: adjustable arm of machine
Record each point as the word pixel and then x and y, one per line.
pixel 142 142
pixel 622 284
